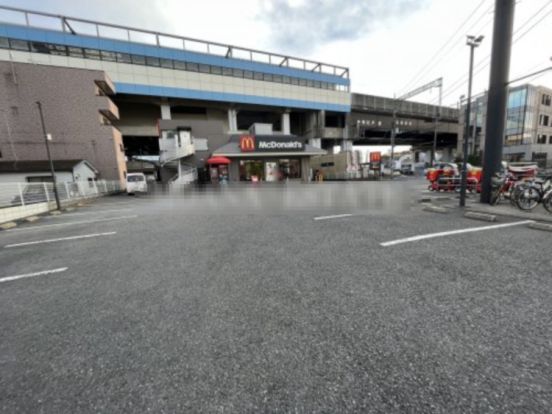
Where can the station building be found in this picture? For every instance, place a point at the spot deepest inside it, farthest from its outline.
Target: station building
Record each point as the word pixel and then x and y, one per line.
pixel 126 99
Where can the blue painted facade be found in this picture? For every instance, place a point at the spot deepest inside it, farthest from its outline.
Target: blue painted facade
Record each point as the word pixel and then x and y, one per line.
pixel 225 97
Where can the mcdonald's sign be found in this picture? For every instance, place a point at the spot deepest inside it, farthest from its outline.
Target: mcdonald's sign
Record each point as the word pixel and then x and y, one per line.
pixel 247 143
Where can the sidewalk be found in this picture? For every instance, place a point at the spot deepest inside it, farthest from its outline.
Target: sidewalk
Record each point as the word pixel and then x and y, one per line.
pixel 504 209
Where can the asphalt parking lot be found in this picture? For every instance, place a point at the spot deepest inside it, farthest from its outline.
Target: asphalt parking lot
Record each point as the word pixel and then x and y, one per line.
pixel 274 299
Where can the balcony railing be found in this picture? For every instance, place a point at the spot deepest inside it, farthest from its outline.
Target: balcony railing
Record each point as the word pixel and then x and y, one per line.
pixel 184 151
pixel 72 25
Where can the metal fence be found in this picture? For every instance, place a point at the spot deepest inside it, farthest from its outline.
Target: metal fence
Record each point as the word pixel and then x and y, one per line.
pixel 73 25
pixel 22 193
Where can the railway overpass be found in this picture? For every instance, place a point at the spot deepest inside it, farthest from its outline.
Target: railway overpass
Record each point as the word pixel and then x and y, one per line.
pixel 371 118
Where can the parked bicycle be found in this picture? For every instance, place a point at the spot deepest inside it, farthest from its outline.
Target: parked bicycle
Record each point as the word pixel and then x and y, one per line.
pixel 529 194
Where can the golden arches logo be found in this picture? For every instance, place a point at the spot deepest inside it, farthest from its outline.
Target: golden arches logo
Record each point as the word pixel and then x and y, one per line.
pixel 247 143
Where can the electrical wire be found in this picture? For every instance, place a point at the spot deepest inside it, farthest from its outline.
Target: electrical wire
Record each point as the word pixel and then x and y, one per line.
pixel 434 56
pixel 462 81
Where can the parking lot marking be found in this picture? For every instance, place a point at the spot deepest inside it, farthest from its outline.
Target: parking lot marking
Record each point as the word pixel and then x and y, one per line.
pixel 84 236
pixel 45 272
pixel 47 226
pixel 453 232
pixel 332 217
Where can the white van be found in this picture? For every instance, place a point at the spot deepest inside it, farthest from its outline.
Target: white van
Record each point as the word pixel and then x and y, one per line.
pixel 136 183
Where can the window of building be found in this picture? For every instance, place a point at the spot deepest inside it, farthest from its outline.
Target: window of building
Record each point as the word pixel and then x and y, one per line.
pixel 19 44
pixel 204 68
pixel 152 61
pixel 108 56
pixel 544 120
pixel 138 60
pixel 62 50
pixel 0 153
pixel 92 53
pixel 124 58
pixel 179 65
pixel 167 63
pixel 541 139
pixel 4 43
pixel 75 52
pixel 546 99
pixel 550 139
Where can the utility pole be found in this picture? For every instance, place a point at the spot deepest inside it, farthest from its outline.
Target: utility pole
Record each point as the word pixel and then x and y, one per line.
pixel 472 42
pixel 393 132
pixel 437 116
pixel 52 172
pixel 498 92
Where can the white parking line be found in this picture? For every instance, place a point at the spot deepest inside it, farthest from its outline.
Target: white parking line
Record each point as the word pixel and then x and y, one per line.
pixel 84 236
pixel 453 232
pixel 47 226
pixel 332 217
pixel 45 272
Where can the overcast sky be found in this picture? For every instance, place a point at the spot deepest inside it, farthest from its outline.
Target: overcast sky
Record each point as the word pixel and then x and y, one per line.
pixel 389 45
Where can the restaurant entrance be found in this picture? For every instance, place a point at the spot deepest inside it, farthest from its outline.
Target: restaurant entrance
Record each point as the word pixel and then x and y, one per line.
pixel 270 170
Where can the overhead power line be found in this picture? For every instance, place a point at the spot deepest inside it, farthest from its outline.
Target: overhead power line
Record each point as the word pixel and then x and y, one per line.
pixel 433 57
pixel 461 82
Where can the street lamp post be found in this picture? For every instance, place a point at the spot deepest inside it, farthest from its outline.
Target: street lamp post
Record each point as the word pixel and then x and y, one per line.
pixel 52 172
pixel 472 42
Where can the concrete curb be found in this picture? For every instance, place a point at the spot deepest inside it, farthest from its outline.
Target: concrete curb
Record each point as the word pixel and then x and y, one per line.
pixel 55 213
pixel 31 219
pixel 512 214
pixel 541 226
pixel 8 225
pixel 435 209
pixel 480 216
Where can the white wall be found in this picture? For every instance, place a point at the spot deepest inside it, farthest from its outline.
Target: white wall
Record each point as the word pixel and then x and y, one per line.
pixel 151 76
pixel 61 176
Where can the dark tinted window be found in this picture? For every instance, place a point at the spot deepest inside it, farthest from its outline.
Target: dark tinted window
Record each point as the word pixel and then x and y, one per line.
pixel 247 74
pixel 216 70
pixel 4 44
pixel 194 67
pixel 75 51
pixel 179 65
pixel 166 63
pixel 138 60
pixel 19 44
pixel 238 73
pixel 227 71
pixel 204 69
pixel 109 56
pixel 92 53
pixel 267 77
pixel 124 58
pixel 258 76
pixel 152 61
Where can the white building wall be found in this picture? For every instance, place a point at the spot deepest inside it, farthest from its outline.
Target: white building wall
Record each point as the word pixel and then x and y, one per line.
pixel 152 76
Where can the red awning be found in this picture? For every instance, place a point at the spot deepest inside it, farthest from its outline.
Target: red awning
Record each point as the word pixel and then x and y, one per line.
pixel 218 160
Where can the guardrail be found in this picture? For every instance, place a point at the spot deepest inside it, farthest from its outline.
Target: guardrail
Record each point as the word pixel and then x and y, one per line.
pixel 73 25
pixel 20 194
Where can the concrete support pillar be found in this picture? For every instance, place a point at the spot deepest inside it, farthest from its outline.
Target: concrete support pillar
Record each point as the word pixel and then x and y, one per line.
pixel 316 142
pixel 165 111
pixel 286 127
pixel 232 120
pixel 321 124
pixel 346 145
pixel 305 169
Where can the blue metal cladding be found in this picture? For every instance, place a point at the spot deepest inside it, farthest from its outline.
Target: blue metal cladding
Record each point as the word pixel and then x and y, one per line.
pixel 67 39
pixel 136 89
